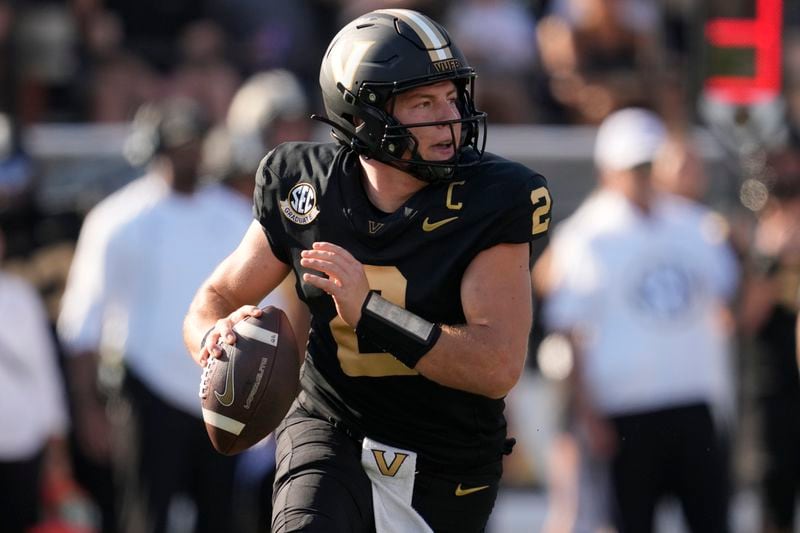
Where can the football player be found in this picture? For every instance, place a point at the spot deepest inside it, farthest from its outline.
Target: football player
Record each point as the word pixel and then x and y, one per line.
pixel 411 248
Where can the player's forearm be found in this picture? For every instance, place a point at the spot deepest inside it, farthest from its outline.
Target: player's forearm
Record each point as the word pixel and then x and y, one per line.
pixel 208 306
pixel 485 356
pixel 476 358
pixel 244 277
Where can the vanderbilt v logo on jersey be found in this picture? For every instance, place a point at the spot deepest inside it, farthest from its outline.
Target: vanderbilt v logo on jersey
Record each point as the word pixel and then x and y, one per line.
pixel 301 204
pixel 389 469
pixel 374 227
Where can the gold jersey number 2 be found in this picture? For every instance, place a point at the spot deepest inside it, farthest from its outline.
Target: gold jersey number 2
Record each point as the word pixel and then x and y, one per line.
pixel 540 198
pixel 392 286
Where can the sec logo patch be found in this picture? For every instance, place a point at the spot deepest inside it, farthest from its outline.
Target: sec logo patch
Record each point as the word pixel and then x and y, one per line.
pixel 300 206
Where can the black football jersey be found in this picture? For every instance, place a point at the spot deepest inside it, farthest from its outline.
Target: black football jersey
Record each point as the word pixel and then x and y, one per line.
pixel 416 257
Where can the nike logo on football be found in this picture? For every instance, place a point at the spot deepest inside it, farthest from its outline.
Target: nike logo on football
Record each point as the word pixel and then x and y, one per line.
pixel 226 398
pixel 427 225
pixel 464 492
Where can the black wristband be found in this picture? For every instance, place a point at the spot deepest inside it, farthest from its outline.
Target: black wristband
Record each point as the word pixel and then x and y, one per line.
pixel 394 329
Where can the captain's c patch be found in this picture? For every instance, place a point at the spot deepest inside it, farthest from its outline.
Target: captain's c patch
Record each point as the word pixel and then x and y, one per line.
pixel 300 206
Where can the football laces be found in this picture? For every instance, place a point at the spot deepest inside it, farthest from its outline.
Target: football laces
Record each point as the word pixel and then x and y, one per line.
pixel 206 377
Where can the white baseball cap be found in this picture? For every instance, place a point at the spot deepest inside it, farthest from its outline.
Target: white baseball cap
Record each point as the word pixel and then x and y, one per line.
pixel 628 138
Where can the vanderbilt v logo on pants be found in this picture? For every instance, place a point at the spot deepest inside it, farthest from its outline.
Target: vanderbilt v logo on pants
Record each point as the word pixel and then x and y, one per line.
pixel 388 469
pixel 391 471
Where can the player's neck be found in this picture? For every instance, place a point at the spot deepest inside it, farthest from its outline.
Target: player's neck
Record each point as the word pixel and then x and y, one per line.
pixel 387 187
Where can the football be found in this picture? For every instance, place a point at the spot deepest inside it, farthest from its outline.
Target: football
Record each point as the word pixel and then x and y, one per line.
pixel 247 391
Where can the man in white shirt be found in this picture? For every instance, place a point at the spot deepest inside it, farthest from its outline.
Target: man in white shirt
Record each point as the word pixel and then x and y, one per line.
pixel 638 280
pixel 82 333
pixel 162 245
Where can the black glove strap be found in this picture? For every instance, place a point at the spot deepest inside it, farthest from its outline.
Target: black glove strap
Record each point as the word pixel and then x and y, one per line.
pixel 394 329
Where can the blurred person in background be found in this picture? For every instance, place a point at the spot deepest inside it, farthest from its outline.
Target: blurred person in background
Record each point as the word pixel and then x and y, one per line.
pixel 576 480
pixel 83 326
pixel 791 73
pixel 272 34
pixel 204 72
pixel 149 27
pixel 34 455
pixel 271 107
pixel 638 279
pixel 45 37
pixel 144 281
pixel 500 38
pixel 768 312
pixel 679 170
pixel 115 82
pixel 599 55
pixel 160 256
pixel 9 67
pixel 152 261
pixel 17 176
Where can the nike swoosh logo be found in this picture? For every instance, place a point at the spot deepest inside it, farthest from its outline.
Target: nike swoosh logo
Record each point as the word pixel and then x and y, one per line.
pixel 427 225
pixel 464 492
pixel 226 398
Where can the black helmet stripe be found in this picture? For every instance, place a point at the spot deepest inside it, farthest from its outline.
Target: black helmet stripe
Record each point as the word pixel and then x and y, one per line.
pixel 436 43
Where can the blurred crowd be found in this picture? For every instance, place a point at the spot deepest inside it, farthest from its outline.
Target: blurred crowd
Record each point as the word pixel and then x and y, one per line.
pixel 541 61
pixel 207 87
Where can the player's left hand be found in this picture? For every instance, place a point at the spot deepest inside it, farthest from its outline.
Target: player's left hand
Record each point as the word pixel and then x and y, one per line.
pixel 346 281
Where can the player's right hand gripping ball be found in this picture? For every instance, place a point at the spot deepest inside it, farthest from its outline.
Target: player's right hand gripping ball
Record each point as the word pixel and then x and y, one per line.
pixel 247 391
